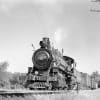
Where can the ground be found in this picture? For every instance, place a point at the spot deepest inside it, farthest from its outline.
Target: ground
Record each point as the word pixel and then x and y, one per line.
pixel 81 95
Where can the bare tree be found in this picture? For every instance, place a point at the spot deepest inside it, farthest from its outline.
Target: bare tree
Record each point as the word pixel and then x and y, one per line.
pixel 4 76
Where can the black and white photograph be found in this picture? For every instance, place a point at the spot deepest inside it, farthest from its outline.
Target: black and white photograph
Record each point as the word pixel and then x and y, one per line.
pixel 49 50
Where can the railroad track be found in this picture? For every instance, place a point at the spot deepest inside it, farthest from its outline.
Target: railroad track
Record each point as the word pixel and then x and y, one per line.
pixel 34 92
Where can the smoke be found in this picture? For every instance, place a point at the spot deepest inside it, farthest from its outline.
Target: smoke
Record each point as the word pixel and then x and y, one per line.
pixel 3 66
pixel 60 37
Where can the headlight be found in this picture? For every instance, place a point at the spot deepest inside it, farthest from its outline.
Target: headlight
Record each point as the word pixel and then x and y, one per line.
pixel 41 56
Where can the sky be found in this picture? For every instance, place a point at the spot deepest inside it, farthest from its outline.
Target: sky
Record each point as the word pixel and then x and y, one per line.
pixel 69 24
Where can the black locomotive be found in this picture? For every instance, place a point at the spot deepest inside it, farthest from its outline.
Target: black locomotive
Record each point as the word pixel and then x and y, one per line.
pixel 51 70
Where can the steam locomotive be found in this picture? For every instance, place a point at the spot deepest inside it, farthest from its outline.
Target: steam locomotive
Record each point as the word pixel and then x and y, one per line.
pixel 51 69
